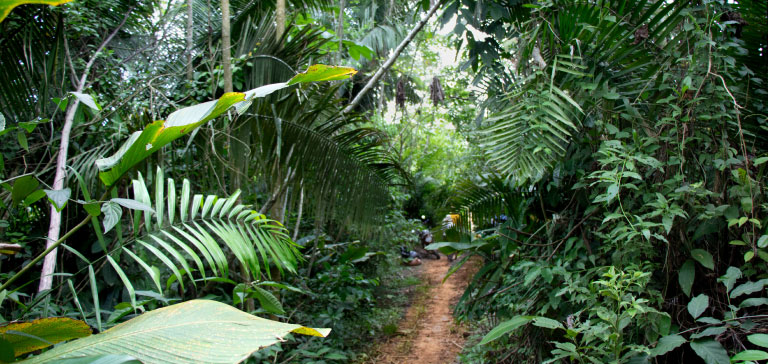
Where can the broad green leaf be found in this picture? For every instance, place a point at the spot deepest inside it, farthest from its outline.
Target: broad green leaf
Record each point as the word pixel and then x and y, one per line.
pixel 268 301
pixel 42 333
pixel 198 331
pixel 112 213
pixel 753 302
pixel 100 359
pixel 756 162
pixel 703 257
pixel 686 276
pixel 505 327
pixel 711 351
pixel 6 351
pixel 58 198
pixel 698 305
pixel 7 5
pixel 22 187
pixel 87 100
pixel 667 344
pixel 759 339
pixel 142 144
pixel 749 355
pixel 748 288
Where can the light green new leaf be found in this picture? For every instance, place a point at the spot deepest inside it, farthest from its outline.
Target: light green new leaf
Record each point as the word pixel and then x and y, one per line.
pixel 750 355
pixel 505 327
pixel 197 331
pixel 698 305
pixel 759 339
pixel 711 351
pixel 7 5
pixel 27 337
pixel 142 144
pixel 730 278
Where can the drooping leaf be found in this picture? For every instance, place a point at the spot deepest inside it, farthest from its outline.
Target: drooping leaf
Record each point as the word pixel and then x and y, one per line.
pixel 748 288
pixel 703 257
pixel 698 305
pixel 7 5
pixel 194 331
pixel 42 333
pixel 686 276
pixel 505 327
pixel 711 351
pixel 321 72
pixel 58 198
pixel 730 278
pixel 142 144
pixel 667 344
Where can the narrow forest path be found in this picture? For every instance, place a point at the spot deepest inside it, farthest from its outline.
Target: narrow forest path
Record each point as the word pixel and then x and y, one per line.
pixel 428 334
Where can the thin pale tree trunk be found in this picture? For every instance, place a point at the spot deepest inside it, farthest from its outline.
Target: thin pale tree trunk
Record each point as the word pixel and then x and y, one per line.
pixel 298 218
pixel 54 228
pixel 380 72
pixel 280 19
pixel 190 25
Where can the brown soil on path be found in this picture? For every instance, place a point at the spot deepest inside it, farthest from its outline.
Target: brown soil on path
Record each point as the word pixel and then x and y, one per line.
pixel 428 334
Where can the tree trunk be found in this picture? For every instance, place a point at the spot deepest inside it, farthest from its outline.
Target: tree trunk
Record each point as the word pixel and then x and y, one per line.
pixel 340 31
pixel 190 25
pixel 226 47
pixel 54 228
pixel 380 72
pixel 280 19
pixel 298 218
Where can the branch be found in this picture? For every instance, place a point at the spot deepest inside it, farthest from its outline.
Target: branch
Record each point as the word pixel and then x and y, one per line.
pixel 380 72
pixel 46 275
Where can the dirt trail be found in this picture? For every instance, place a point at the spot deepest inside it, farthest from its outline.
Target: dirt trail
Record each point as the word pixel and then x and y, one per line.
pixel 428 333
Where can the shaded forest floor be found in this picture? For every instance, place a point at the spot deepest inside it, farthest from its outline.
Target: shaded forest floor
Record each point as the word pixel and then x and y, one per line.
pixel 428 333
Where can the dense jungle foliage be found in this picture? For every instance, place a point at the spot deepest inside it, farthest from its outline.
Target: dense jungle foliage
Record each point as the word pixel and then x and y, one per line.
pixel 219 181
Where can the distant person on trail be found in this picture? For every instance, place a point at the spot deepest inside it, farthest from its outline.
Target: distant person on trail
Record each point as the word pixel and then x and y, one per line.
pixel 425 238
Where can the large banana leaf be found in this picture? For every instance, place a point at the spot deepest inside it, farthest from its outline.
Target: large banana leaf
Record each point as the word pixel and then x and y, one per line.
pixel 142 144
pixel 26 337
pixel 7 5
pixel 197 331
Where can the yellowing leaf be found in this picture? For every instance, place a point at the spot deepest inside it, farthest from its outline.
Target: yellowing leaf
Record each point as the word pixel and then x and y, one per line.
pixel 7 5
pixel 29 336
pixel 321 72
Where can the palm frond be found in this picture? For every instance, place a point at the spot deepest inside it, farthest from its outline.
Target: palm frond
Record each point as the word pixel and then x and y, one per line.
pixel 197 236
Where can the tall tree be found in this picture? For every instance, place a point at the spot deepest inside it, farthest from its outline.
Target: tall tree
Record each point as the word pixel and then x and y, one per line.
pixel 190 25
pixel 280 18
pixel 226 47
